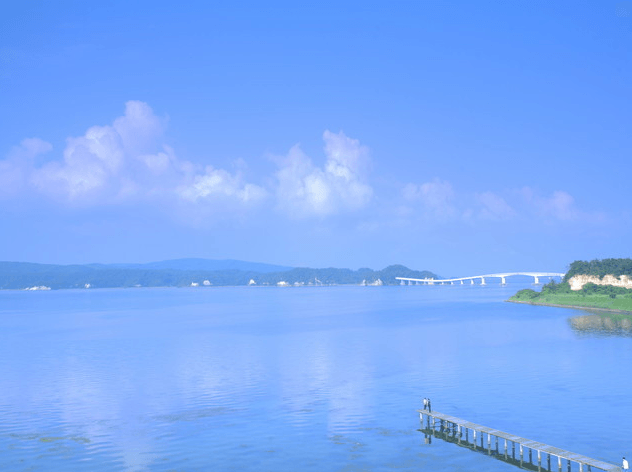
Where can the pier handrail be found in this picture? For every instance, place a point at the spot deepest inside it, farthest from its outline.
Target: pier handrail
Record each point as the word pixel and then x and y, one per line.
pixel 534 445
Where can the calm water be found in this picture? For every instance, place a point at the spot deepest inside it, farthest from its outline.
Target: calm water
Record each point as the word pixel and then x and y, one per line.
pixel 310 379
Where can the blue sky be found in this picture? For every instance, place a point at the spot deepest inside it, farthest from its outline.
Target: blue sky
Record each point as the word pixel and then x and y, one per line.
pixel 450 136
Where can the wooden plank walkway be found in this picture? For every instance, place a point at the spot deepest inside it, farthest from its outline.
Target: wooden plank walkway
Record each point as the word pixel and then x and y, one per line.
pixel 461 424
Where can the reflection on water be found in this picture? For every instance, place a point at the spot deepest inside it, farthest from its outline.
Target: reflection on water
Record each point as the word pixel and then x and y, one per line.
pixel 317 379
pixel 605 324
pixel 492 449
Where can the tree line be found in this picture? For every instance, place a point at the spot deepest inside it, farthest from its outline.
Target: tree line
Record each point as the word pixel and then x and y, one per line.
pixel 15 275
pixel 600 268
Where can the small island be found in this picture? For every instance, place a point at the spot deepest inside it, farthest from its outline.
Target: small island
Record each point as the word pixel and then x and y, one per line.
pixel 599 284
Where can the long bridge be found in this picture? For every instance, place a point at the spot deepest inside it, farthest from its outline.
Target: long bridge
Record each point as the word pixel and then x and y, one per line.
pixel 501 276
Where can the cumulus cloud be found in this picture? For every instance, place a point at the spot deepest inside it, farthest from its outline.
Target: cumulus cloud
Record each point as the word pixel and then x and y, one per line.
pixel 108 163
pixel 304 189
pixel 218 182
pixel 119 162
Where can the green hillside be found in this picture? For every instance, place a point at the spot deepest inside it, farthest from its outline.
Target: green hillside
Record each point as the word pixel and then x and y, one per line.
pixel 591 295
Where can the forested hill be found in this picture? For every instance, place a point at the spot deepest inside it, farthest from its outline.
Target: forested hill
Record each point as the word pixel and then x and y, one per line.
pixel 600 268
pixel 21 275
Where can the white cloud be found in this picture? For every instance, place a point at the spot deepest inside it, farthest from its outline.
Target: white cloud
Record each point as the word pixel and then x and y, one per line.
pixel 436 197
pixel 119 162
pixel 219 183
pixel 15 169
pixel 494 207
pixel 560 205
pixel 437 200
pixel 304 189
pixel 102 165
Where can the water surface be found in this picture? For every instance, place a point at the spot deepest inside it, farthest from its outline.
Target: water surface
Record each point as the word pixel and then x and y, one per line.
pixel 280 379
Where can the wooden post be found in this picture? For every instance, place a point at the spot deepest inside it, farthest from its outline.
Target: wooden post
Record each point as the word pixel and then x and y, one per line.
pixel 513 450
pixel 530 456
pixel 559 463
pixel 569 465
pixel 581 467
pixel 548 462
pixel 539 458
pixel 496 444
pixel 505 448
pixel 521 452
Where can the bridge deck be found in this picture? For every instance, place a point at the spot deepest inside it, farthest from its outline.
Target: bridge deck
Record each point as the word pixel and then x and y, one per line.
pixel 485 276
pixel 538 446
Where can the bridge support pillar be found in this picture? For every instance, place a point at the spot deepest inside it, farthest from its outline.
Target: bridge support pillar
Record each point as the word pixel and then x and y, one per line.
pixel 472 281
pixel 503 281
pixel 461 282
pixel 483 281
pixel 537 280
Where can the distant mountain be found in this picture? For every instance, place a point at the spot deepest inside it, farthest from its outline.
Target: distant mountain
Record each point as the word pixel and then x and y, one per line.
pixel 188 272
pixel 201 264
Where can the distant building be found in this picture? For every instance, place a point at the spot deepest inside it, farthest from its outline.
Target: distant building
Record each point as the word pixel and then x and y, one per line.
pixel 87 286
pixel 283 283
pixel 195 284
pixel 252 282
pixel 207 283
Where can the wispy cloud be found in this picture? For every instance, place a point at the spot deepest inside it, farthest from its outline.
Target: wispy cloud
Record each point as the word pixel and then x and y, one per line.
pixel 16 169
pixel 560 205
pixel 439 201
pixel 436 198
pixel 494 207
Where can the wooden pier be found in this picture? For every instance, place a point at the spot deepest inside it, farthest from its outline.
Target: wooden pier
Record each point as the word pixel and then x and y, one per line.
pixel 530 453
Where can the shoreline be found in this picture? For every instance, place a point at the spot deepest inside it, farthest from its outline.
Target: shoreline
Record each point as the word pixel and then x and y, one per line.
pixel 577 307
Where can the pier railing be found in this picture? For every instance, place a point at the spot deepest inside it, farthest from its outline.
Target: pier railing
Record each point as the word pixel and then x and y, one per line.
pixel 503 445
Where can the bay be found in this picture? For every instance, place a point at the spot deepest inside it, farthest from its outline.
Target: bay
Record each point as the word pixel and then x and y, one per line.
pixel 310 378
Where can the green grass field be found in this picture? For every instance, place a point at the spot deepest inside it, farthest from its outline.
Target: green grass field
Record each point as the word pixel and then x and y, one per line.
pixel 620 302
